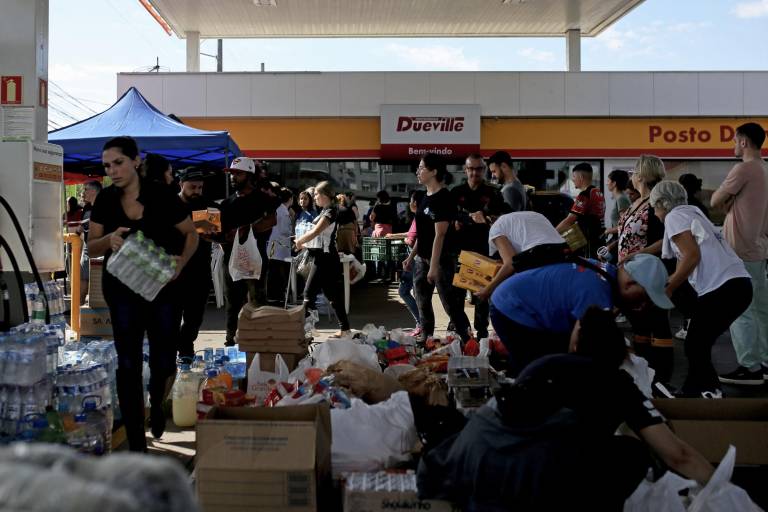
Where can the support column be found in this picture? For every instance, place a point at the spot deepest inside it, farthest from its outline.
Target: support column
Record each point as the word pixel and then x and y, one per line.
pixel 24 61
pixel 573 49
pixel 193 51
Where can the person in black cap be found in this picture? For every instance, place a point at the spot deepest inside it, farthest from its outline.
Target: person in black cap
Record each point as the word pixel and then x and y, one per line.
pixel 195 280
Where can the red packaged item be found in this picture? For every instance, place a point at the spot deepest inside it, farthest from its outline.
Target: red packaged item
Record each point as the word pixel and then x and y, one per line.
pixel 277 393
pixel 471 347
pixel 397 355
pixel 235 398
pixel 498 347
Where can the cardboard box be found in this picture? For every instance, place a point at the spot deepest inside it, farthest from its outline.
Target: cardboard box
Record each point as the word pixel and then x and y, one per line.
pixel 474 274
pixel 95 294
pixel 294 346
pixel 711 425
pixel 267 359
pixel 207 220
pixel 261 315
pixel 375 492
pixel 95 322
pixel 264 458
pixel 482 264
pixel 468 284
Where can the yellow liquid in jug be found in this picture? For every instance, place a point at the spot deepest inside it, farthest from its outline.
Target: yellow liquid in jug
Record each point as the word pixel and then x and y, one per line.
pixel 185 411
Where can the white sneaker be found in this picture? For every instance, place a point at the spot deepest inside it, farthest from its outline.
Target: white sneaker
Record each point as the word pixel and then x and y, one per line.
pixel 621 319
pixel 682 333
pixel 712 395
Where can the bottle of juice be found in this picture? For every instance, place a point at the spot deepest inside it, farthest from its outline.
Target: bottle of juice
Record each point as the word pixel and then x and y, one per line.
pixel 184 395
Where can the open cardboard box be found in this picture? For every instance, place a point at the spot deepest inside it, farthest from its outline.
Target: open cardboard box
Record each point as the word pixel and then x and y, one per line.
pixel 264 458
pixel 711 425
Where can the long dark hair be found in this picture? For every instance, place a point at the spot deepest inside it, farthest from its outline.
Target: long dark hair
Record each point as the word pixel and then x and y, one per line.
pixel 126 145
pixel 600 338
pixel 154 167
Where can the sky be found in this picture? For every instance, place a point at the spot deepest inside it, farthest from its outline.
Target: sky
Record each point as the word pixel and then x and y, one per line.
pixel 93 40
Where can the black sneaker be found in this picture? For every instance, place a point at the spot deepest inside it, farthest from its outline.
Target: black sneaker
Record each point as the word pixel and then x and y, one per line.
pixel 743 376
pixel 764 367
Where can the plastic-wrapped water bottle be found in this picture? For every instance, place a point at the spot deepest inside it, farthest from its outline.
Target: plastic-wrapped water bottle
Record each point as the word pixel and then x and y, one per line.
pixel 30 405
pixel 3 409
pixel 13 414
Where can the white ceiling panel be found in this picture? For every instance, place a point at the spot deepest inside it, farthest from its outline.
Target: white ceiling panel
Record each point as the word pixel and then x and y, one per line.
pixel 389 18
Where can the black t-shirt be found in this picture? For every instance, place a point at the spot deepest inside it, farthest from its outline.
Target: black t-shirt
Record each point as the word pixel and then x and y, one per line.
pixel 438 207
pixel 346 215
pixel 601 398
pixel 385 214
pixel 162 211
pixel 201 260
pixel 487 199
pixel 242 210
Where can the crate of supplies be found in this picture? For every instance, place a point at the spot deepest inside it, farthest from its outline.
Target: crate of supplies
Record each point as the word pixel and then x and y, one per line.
pixel 376 249
pixel 398 249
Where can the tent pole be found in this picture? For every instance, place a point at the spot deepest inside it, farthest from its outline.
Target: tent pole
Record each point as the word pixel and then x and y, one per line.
pixel 226 178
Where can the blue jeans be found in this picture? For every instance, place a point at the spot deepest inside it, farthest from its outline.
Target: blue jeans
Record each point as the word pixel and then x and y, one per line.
pixel 405 291
pixel 749 332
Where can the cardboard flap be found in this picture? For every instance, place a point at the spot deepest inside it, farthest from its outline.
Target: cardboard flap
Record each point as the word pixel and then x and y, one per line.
pixel 728 409
pixel 273 314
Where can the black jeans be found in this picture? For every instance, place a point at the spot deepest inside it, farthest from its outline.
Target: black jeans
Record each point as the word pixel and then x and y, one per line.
pixel 653 340
pixel 236 293
pixel 713 314
pixel 277 280
pixel 326 276
pixel 132 316
pixel 525 344
pixel 195 288
pixel 451 297
pixel 482 316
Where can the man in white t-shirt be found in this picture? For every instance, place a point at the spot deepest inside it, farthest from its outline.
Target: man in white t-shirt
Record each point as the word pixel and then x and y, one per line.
pixel 744 196
pixel 513 234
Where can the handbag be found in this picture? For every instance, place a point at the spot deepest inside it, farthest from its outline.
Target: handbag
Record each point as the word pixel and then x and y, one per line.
pixel 245 260
pixel 304 262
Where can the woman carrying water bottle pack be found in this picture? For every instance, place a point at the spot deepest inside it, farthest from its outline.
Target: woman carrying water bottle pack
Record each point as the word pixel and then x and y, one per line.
pixel 131 204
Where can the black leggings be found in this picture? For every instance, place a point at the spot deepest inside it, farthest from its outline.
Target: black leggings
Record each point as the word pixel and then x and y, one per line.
pixel 714 312
pixel 325 275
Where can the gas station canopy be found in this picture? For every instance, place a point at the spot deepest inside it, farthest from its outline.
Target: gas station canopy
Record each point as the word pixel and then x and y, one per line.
pixel 389 18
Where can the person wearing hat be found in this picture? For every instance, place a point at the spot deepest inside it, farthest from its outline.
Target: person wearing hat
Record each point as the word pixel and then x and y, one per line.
pixel 533 312
pixel 195 279
pixel 512 189
pixel 249 207
pixel 713 269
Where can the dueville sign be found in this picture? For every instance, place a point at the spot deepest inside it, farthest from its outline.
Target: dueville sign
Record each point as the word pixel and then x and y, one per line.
pixel 410 131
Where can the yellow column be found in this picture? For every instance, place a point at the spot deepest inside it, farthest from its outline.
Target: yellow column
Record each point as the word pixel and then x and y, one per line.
pixel 74 273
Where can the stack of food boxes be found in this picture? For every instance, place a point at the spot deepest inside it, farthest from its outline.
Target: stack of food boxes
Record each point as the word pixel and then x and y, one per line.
pixel 476 271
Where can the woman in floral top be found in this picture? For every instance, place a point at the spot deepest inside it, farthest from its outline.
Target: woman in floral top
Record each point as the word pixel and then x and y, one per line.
pixel 640 231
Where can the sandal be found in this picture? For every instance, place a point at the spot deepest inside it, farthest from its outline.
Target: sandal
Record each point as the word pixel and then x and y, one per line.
pixel 340 334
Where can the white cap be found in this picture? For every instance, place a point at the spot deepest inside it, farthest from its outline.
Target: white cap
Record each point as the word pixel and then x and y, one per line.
pixel 244 164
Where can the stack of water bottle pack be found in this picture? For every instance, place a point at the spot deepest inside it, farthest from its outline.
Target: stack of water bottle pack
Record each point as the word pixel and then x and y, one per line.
pixel 142 266
pixel 86 395
pixel 28 359
pixel 36 305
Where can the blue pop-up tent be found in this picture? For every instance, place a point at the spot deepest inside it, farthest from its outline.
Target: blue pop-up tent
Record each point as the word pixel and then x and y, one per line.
pixel 154 132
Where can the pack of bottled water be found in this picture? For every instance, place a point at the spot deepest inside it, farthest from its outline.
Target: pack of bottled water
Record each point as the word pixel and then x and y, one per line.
pixel 36 305
pixel 142 266
pixel 19 403
pixel 86 370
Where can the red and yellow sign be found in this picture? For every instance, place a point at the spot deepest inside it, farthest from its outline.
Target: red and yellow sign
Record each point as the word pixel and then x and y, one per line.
pixel 359 138
pixel 47 172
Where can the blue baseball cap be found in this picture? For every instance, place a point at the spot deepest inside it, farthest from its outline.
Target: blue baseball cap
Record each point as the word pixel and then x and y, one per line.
pixel 649 272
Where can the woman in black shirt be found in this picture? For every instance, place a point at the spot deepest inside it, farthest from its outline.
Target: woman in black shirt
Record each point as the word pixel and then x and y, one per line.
pixel 128 205
pixel 436 252
pixel 326 272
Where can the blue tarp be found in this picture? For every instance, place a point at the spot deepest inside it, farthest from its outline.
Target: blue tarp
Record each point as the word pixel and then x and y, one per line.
pixel 155 133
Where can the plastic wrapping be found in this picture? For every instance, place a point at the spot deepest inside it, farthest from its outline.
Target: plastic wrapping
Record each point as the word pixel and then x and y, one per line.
pixel 49 478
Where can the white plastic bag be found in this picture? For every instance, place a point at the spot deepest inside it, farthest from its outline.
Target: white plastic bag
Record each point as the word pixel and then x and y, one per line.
pixel 217 272
pixel 659 496
pixel 373 334
pixel 356 271
pixel 372 437
pixel 720 495
pixel 260 382
pixel 333 351
pixel 245 260
pixel 641 373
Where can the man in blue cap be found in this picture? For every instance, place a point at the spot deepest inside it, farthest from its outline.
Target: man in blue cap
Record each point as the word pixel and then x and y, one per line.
pixel 534 312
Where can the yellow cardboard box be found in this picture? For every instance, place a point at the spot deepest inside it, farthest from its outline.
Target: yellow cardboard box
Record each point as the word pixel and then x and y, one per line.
pixel 482 264
pixel 474 274
pixel 472 285
pixel 207 220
